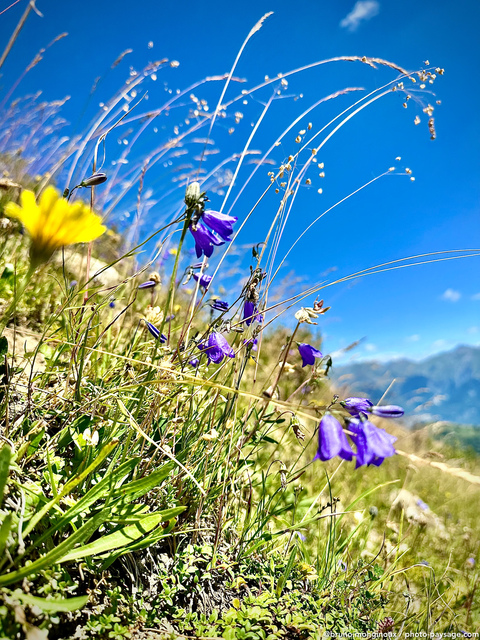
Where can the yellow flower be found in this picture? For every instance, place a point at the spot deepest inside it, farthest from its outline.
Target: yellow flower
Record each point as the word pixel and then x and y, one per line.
pixel 54 222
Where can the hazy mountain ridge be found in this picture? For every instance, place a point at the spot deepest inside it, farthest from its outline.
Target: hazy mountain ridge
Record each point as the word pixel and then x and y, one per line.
pixel 445 386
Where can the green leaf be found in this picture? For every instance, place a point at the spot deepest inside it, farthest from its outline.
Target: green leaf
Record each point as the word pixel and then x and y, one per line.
pixel 5 455
pixel 51 606
pixel 98 491
pixel 76 480
pixel 152 538
pixel 286 573
pixel 138 488
pixel 123 537
pixel 57 553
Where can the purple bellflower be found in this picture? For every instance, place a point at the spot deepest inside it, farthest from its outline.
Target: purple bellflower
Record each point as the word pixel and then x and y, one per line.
pixel 205 240
pixel 149 284
pixel 155 332
pixel 220 305
pixel 203 279
pixel 220 223
pixel 332 440
pixel 216 347
pixel 250 313
pixel 308 353
pixel 354 406
pixel 194 362
pixel 388 411
pixel 373 444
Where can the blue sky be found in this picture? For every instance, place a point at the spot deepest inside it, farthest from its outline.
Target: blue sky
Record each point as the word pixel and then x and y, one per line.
pixel 409 312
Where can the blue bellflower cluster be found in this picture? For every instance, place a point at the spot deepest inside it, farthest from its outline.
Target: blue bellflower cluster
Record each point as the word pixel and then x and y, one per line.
pixel 372 444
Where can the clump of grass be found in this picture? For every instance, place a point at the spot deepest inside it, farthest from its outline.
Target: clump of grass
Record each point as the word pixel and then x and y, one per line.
pixel 158 441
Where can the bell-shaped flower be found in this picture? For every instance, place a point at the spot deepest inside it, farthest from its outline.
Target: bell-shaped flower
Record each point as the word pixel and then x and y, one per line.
pixel 205 240
pixel 216 348
pixel 355 406
pixel 204 280
pixel 220 223
pixel 250 313
pixel 332 440
pixel 308 353
pixel 373 444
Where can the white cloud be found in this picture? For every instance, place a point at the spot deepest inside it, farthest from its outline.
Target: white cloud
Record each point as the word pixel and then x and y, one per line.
pixel 363 10
pixel 414 338
pixel 370 347
pixel 439 344
pixel 472 330
pixel 476 296
pixel 451 295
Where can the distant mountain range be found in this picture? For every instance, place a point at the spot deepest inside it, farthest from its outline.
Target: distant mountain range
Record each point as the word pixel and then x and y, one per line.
pixel 445 386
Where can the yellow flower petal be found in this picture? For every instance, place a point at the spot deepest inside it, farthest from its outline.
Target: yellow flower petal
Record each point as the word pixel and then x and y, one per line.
pixel 54 222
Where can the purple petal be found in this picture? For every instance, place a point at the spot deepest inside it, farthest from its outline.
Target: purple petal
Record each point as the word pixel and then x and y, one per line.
pixel 332 440
pixel 308 353
pixel 205 240
pixel 220 222
pixel 354 406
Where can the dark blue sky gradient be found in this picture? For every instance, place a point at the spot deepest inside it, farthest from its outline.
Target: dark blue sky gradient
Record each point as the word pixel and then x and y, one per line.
pixel 400 312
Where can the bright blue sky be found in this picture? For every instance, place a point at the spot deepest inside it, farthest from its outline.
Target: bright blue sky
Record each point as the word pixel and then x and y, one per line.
pixel 412 312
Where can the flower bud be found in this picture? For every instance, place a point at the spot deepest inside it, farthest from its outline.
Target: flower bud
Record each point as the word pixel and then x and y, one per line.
pixel 192 194
pixel 94 180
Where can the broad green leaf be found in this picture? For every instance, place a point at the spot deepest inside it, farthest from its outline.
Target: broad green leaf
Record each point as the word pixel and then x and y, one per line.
pixel 51 606
pixel 124 536
pixel 149 540
pixel 98 491
pixel 138 488
pixel 57 553
pixel 76 480
pixel 5 455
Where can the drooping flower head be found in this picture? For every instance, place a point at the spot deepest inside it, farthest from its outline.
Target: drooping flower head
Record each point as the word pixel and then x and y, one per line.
pixel 250 313
pixel 308 353
pixel 373 444
pixel 332 440
pixel 204 280
pixel 220 223
pixel 54 222
pixel 216 348
pixel 205 240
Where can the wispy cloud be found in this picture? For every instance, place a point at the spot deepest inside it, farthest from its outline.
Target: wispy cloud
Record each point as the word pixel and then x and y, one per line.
pixel 414 338
pixel 476 296
pixel 362 11
pixel 451 295
pixel 472 330
pixel 370 347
